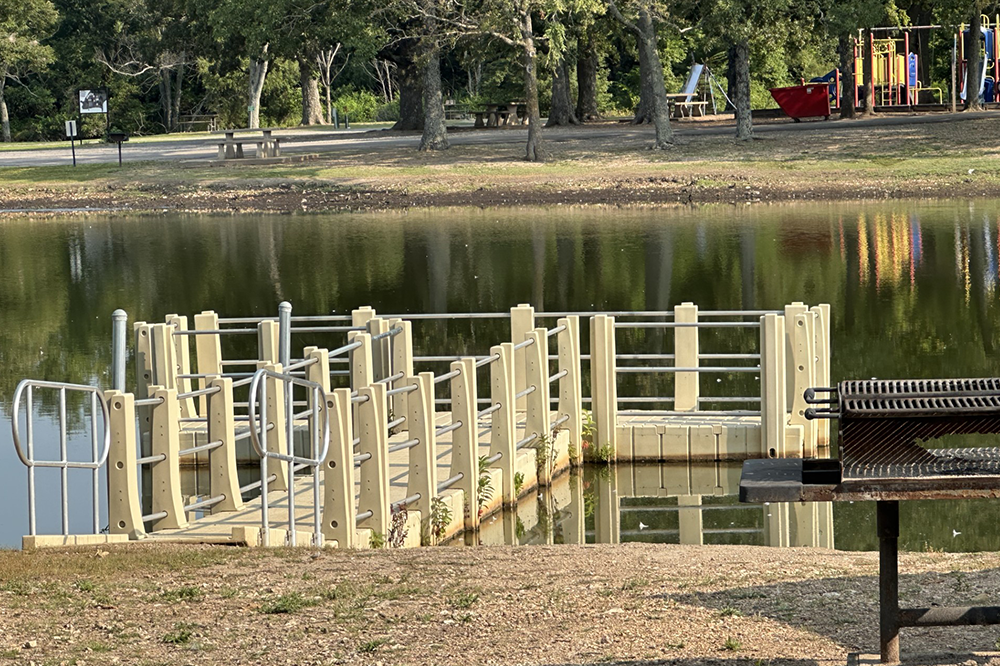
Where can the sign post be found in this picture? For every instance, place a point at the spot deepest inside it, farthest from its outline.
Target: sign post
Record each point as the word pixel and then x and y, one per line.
pixel 71 133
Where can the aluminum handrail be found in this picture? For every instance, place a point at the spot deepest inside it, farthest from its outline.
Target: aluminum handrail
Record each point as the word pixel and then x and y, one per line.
pixel 358 399
pixel 148 402
pixel 527 440
pixel 559 421
pixel 217 331
pixel 388 334
pixel 489 410
pixel 556 330
pixel 701 368
pixel 448 483
pixel 395 422
pixel 445 377
pixel 99 450
pixel 197 506
pixel 160 457
pixel 242 361
pixel 360 458
pixel 201 447
pixel 154 516
pixel 527 391
pixel 298 365
pixel 194 394
pixel 325 329
pixel 489 359
pixel 525 343
pixel 692 324
pixel 346 348
pixel 397 391
pixel 206 376
pixel 408 444
pixel 495 457
pixel 559 375
pixel 650 412
pixel 363 516
pixel 390 378
pixel 444 430
pixel 445 359
pixel 406 501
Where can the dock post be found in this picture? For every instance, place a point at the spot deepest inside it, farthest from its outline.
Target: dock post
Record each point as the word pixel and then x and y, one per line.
pixel 381 348
pixel 537 408
pixel 402 361
pixel 166 473
pixel 772 386
pixel 465 440
pixel 822 345
pixel 338 472
pixel 687 387
pixel 374 476
pixel 887 525
pixel 360 316
pixel 124 510
pixel 522 320
pixel 421 478
pixel 603 384
pixel 502 428
pixel 803 366
pixel 285 333
pixel 207 348
pixel 224 479
pixel 689 520
pixel 182 361
pixel 119 320
pixel 277 438
pixel 268 351
pixel 570 386
pixel 360 367
pixel 143 380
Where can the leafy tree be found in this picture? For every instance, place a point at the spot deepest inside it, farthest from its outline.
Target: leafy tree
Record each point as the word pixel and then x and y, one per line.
pixel 23 26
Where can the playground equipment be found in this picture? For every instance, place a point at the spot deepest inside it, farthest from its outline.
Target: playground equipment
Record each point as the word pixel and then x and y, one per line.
pixel 895 71
pixel 989 53
pixel 806 101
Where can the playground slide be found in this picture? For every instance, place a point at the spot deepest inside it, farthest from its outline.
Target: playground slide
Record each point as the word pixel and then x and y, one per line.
pixel 987 52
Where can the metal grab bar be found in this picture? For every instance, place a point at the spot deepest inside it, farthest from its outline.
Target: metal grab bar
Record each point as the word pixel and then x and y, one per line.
pixel 445 377
pixel 408 444
pixel 358 399
pixel 718 399
pixel 651 412
pixel 527 440
pixel 201 447
pixel 527 391
pixel 443 430
pixel 488 410
pixel 526 343
pixel 492 459
pixel 360 458
pixel 395 391
pixel 154 516
pixel 346 348
pixel 217 331
pixel 396 422
pixel 204 376
pixel 242 361
pixel 256 484
pixel 700 368
pixel 559 375
pixel 150 402
pixel 197 506
pixel 99 451
pixel 446 359
pixel 388 334
pixel 363 516
pixel 246 433
pixel 559 421
pixel 692 324
pixel 448 483
pixel 555 331
pixel 406 501
pixel 391 378
pixel 305 363
pixel 489 359
pixel 160 457
pixel 325 329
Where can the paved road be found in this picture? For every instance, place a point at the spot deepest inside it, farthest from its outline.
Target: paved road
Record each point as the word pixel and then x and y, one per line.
pixel 310 141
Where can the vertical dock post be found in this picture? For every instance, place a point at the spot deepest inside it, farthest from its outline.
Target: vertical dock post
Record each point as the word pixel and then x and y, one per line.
pixel 338 472
pixel 687 387
pixel 224 479
pixel 143 381
pixel 402 361
pixel 268 336
pixel 285 333
pixel 208 347
pixel 124 509
pixel 422 475
pixel 360 367
pixel 772 386
pixel 182 361
pixel 803 367
pixel 822 345
pixel 381 348
pixel 537 408
pixel 374 476
pixel 522 320
pixel 166 473
pixel 119 320
pixel 570 386
pixel 502 429
pixel 465 440
pixel 689 519
pixel 603 384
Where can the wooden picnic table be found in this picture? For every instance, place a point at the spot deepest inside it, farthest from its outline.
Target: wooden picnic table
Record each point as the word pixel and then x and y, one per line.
pixel 683 106
pixel 232 148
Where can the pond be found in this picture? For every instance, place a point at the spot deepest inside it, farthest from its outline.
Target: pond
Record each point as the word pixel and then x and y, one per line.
pixel 912 286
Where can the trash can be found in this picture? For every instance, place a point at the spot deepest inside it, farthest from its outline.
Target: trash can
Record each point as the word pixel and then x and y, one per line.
pixel 809 101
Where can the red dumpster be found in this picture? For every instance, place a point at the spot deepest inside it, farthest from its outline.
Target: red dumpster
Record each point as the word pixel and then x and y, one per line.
pixel 808 101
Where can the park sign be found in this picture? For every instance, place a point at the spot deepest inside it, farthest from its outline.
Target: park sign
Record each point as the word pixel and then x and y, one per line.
pixel 94 100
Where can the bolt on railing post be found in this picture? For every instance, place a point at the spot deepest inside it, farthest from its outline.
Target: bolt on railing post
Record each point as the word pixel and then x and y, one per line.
pixel 285 333
pixel 338 472
pixel 166 473
pixel 537 408
pixel 603 384
pixel 224 479
pixel 522 320
pixel 124 508
pixel 119 320
pixel 502 429
pixel 374 476
pixel 422 475
pixel 570 386
pixel 686 384
pixel 465 440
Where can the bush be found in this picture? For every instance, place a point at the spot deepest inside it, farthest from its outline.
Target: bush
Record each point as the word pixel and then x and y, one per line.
pixel 388 113
pixel 360 105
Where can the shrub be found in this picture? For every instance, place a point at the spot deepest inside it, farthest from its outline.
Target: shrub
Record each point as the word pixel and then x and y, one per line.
pixel 360 105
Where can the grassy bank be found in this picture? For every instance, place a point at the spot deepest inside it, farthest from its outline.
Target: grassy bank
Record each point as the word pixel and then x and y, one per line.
pixel 629 604
pixel 605 164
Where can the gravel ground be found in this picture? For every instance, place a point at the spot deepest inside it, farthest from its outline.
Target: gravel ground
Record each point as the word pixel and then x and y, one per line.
pixel 567 605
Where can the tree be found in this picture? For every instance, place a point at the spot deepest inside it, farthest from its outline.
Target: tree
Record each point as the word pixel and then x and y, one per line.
pixel 643 26
pixel 973 57
pixel 23 26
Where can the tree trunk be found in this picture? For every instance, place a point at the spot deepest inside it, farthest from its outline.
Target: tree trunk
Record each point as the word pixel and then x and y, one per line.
pixel 4 118
pixel 411 96
pixel 731 77
pixel 435 136
pixel 536 149
pixel 167 98
pixel 561 110
pixel 178 86
pixel 848 84
pixel 258 70
pixel 312 111
pixel 587 65
pixel 744 115
pixel 868 107
pixel 661 110
pixel 644 112
pixel 974 61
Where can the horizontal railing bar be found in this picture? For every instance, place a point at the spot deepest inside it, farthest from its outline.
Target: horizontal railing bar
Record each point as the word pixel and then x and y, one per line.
pixel 396 422
pixel 445 359
pixel 700 368
pixel 686 324
pixel 493 458
pixel 653 398
pixel 659 313
pixel 242 382
pixel 448 483
pixel 203 376
pixel 245 320
pixel 559 375
pixel 201 447
pixel 555 331
pixel 151 459
pixel 302 415
pixel 401 389
pixel 488 410
pixel 346 348
pixel 721 357
pixel 405 501
pixel 448 315
pixel 444 430
pixel 204 503
pixel 391 378
pixel 217 331
pixel 301 364
pixel 247 433
pixel 527 440
pixel 326 329
pixel 340 373
pixel 364 515
pixel 727 399
pixel 358 399
pixel 699 507
pixel 154 516
pixel 361 457
pixel 559 421
pixel 408 444
pixel 148 402
pixel 445 377
pixel 194 394
pixel 583 357
pixel 256 484
pixel 192 419
pixel 650 412
pixel 489 359
pixel 642 357
pixel 522 345
pixel 527 391
pixel 388 334
pixel 242 361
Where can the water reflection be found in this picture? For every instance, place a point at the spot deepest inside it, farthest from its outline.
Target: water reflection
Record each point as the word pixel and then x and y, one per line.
pixel 913 289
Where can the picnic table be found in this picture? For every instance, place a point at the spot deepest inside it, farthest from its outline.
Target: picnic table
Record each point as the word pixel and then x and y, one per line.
pixel 232 148
pixel 683 106
pixel 489 115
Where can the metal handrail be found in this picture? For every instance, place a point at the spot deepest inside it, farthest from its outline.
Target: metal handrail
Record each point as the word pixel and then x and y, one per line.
pixel 700 368
pixel 444 430
pixel 445 377
pixel 395 391
pixel 556 330
pixel 346 348
pixel 448 483
pixel 525 343
pixel 489 410
pixel 527 440
pixel 194 394
pixel 388 334
pixel 149 402
pixel 691 324
pixel 489 359
pixel 527 391
pixel 559 375
pixel 201 447
pixel 160 457
pixel 408 444
pixel 305 363
pixel 390 378
pixel 217 331
pixel 98 455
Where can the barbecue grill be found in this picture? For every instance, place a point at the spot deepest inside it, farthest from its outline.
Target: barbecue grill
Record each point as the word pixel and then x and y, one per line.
pixel 891 449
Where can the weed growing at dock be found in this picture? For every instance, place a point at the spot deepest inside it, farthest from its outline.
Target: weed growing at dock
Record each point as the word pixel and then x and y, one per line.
pixel 440 517
pixel 732 645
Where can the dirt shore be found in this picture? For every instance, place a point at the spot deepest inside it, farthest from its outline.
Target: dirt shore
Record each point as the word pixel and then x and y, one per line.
pixel 600 165
pixel 611 604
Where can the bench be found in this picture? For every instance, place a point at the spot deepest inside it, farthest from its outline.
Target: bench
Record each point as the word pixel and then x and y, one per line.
pixel 232 148
pixel 188 123
pixel 689 109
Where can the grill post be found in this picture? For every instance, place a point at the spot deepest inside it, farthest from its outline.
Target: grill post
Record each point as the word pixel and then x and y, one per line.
pixel 887 527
